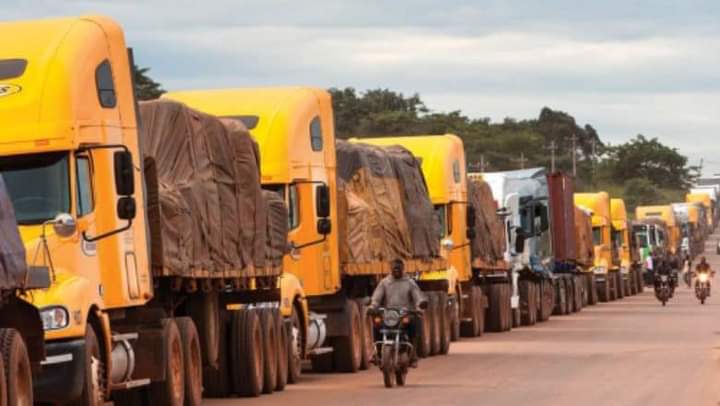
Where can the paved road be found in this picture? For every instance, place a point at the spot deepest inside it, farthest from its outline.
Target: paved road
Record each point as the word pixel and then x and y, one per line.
pixel 629 352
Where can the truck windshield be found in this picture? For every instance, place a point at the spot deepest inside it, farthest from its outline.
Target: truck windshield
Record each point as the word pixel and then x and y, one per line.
pixel 38 184
pixel 642 239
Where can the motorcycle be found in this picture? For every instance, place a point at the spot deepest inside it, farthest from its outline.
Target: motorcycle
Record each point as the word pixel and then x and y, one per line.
pixel 702 287
pixel 662 288
pixel 393 352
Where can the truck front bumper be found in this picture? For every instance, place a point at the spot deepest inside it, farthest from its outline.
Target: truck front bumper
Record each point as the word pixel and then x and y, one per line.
pixel 63 372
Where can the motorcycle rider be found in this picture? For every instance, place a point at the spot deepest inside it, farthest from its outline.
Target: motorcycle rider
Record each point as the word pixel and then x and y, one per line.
pixel 704 267
pixel 398 291
pixel 662 266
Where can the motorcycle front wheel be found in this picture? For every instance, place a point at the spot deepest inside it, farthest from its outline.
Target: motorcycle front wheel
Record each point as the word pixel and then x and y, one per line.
pixel 388 366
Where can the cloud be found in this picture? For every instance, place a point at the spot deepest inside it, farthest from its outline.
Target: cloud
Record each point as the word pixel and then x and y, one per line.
pixel 646 66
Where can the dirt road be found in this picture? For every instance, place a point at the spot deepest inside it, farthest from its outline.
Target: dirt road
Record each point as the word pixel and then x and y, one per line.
pixel 629 352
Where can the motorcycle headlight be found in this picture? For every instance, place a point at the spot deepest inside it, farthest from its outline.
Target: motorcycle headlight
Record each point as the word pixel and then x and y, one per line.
pixel 703 277
pixel 391 318
pixel 664 278
pixel 54 318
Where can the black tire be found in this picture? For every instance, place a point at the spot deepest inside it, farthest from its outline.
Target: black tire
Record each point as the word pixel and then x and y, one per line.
pixel 425 342
pixel 640 280
pixel 246 352
pixel 283 353
pixel 434 307
pixel 192 361
pixel 17 371
pixel 367 337
pixel 454 312
pixel 603 290
pixel 560 307
pixel 528 302
pixel 401 377
pixel 475 326
pixel 547 296
pixel 217 382
pixel 269 349
pixel 3 384
pixel 388 367
pixel 171 391
pixel 296 340
pixel 592 289
pixel 507 303
pixel 578 289
pixel 445 324
pixel 496 308
pixel 348 349
pixel 620 285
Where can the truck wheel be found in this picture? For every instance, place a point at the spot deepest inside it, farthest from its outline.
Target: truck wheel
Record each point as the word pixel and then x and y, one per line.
pixel 570 296
pixel 296 334
pixel 3 384
pixel 603 290
pixel 434 307
pixel 475 326
pixel 368 341
pixel 454 314
pixel 507 301
pixel 192 360
pixel 171 391
pixel 17 369
pixel 528 307
pixel 640 281
pixel 620 283
pixel 578 285
pixel 283 351
pixel 592 289
pixel 444 316
pixel 216 380
pixel 425 346
pixel 547 296
pixel 495 308
pixel 560 297
pixel 348 349
pixel 246 351
pixel 269 348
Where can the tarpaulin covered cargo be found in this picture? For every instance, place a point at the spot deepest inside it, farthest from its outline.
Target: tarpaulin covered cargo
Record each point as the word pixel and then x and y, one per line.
pixel 562 216
pixel 205 206
pixel 12 251
pixel 488 246
pixel 383 205
pixel 583 237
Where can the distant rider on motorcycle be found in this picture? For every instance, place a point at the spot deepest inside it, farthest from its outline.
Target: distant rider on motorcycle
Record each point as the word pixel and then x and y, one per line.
pixel 704 267
pixel 397 291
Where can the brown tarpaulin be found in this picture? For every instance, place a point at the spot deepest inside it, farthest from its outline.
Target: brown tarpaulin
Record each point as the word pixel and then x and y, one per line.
pixel 583 237
pixel 383 205
pixel 12 251
pixel 489 242
pixel 205 206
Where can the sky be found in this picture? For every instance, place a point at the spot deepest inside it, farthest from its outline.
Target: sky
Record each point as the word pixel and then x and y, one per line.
pixel 626 67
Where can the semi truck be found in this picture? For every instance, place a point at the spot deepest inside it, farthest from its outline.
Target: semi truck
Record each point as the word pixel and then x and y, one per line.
pixel 323 296
pixel 691 217
pixel 483 281
pixel 585 254
pixel 606 271
pixel 144 302
pixel 624 244
pixel 704 196
pixel 672 234
pixel 22 346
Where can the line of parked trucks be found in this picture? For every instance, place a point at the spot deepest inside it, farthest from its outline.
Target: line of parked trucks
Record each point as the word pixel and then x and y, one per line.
pixel 216 243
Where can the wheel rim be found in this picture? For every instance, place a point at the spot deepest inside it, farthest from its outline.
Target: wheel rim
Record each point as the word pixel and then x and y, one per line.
pixel 176 369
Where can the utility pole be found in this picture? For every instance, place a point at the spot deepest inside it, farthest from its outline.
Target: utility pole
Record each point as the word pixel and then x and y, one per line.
pixel 553 147
pixel 482 163
pixel 574 154
pixel 522 160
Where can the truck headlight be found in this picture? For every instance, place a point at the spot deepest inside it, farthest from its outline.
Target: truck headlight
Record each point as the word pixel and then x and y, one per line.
pixel 599 270
pixel 54 318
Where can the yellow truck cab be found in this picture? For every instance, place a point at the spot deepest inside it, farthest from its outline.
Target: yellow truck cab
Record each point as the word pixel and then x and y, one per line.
pixel 667 215
pixel 606 273
pixel 621 241
pixel 706 201
pixel 115 329
pixel 480 287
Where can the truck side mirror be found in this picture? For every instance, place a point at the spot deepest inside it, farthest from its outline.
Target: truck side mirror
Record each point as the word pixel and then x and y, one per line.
pixel 519 240
pixel 124 179
pixel 126 209
pixel 322 201
pixel 324 226
pixel 470 214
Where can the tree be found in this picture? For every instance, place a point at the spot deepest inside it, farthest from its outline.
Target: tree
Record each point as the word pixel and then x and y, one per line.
pixel 145 87
pixel 639 192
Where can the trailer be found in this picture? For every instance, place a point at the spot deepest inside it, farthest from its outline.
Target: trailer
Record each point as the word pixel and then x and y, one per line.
pixel 165 252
